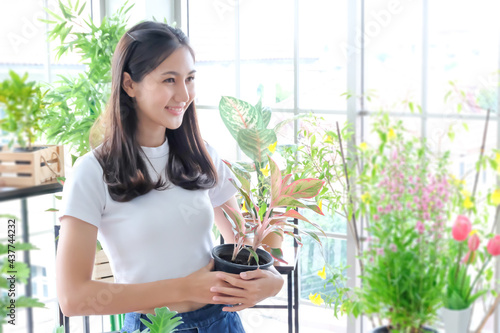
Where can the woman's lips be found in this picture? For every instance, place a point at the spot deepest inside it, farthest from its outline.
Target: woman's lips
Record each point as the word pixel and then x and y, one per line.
pixel 175 110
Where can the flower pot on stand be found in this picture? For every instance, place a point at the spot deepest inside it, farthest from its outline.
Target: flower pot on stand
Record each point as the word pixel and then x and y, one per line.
pixel 222 260
pixel 456 321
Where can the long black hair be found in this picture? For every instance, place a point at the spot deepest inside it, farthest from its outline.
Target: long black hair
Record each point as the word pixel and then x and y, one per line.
pixel 143 48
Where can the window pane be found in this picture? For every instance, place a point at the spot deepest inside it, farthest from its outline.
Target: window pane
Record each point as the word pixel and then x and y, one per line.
pixel 393 52
pixel 463 47
pixel 322 53
pixel 212 36
pixel 267 51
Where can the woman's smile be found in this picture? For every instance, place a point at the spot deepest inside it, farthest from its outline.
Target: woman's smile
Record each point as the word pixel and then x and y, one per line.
pixel 175 110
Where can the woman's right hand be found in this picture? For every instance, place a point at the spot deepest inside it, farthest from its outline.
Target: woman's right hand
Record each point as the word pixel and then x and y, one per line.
pixel 200 282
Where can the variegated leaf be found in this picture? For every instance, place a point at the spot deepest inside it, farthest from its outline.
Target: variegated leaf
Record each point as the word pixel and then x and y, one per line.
pixel 275 180
pixel 254 142
pixel 237 115
pixel 303 188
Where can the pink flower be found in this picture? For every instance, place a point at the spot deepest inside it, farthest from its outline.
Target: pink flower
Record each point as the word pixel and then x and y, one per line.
pixel 380 209
pixel 380 251
pixel 468 258
pixel 393 247
pixel 474 242
pixel 376 217
pixel 493 246
pixel 427 216
pixel 420 227
pixel 461 228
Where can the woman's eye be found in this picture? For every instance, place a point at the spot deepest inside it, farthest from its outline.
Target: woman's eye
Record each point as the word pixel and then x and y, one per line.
pixel 191 78
pixel 170 80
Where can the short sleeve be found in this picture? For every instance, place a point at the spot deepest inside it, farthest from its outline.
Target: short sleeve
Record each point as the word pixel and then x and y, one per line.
pixel 84 191
pixel 224 189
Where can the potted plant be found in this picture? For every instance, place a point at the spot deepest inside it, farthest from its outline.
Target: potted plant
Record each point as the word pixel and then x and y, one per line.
pixel 405 194
pixel 283 194
pixel 248 125
pixel 23 105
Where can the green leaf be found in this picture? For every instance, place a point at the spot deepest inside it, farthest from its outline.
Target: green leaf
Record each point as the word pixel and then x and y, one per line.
pixel 25 302
pixel 237 115
pixel 163 321
pixel 255 142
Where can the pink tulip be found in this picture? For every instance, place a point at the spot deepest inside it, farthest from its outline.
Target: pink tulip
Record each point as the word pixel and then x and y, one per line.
pixel 474 242
pixel 461 228
pixel 493 246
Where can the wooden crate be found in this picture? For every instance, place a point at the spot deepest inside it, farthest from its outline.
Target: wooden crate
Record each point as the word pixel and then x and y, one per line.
pixel 102 268
pixel 37 167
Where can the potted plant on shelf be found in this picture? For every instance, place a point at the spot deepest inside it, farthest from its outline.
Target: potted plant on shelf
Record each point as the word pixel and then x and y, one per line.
pixel 235 258
pixel 25 164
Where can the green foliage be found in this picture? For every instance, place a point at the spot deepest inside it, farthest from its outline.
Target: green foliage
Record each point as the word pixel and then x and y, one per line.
pixel 163 321
pixel 78 101
pixel 23 104
pixel 317 155
pixel 283 194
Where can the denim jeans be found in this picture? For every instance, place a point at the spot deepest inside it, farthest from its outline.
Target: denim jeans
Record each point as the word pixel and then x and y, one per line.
pixel 208 319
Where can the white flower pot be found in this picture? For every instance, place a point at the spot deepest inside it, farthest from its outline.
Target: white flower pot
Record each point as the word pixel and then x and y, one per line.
pixel 456 321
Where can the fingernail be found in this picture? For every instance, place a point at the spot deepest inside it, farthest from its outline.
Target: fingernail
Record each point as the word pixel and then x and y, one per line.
pixel 215 298
pixel 243 275
pixel 213 289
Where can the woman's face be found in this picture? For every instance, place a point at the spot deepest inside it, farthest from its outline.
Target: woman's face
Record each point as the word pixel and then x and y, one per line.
pixel 164 94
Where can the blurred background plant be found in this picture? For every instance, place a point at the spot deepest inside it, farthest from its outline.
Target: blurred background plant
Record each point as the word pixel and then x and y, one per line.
pixel 23 105
pixel 77 101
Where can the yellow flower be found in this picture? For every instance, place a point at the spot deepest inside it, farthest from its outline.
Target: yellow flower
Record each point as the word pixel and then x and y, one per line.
pixel 365 197
pixel 320 205
pixel 473 231
pixel 265 171
pixel 391 135
pixel 468 203
pixel 363 146
pixel 465 193
pixel 497 158
pixel 322 273
pixel 244 208
pixel 272 148
pixel 495 197
pixel 315 299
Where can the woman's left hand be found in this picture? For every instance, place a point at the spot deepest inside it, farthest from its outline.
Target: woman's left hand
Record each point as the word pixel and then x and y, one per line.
pixel 248 289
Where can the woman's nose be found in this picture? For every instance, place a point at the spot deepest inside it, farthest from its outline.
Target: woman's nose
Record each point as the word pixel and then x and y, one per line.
pixel 182 93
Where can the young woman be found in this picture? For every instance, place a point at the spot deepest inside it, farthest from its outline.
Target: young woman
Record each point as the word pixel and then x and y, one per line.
pixel 151 192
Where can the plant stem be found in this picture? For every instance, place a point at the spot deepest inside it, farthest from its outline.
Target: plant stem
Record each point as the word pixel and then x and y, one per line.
pixel 353 215
pixel 458 259
pixel 481 153
pixel 495 221
pixel 477 276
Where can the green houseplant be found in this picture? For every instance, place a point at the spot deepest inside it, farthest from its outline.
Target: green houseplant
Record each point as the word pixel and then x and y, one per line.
pixel 77 101
pixel 29 164
pixel 23 105
pixel 283 194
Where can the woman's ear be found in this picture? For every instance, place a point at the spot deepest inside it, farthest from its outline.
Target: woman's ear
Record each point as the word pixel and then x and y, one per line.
pixel 128 84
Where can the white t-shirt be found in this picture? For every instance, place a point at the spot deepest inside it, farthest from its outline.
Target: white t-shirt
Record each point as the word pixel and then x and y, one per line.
pixel 160 235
